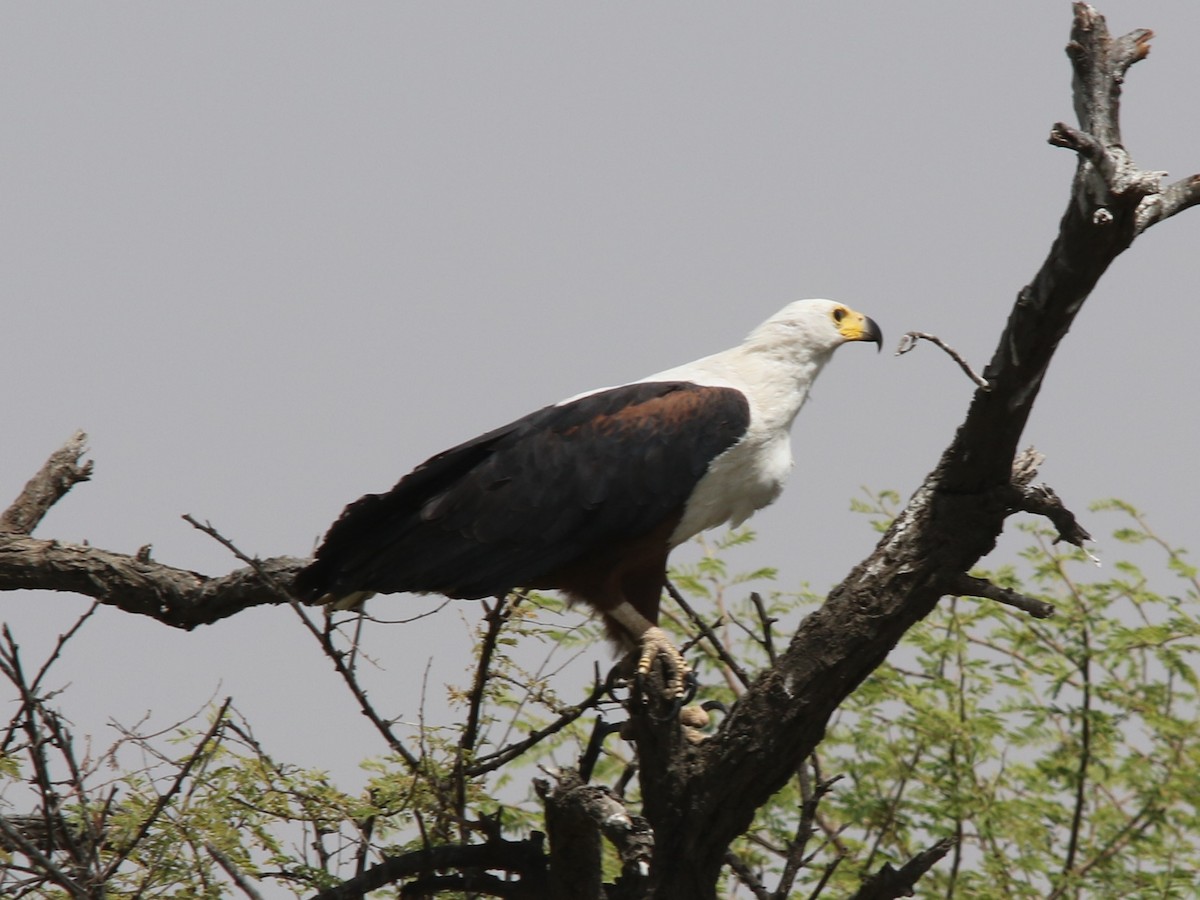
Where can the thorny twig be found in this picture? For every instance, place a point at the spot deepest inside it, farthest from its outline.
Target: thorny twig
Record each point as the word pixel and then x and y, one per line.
pixel 44 729
pixel 826 875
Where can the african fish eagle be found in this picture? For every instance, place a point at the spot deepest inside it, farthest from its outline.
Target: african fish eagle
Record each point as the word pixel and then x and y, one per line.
pixel 590 495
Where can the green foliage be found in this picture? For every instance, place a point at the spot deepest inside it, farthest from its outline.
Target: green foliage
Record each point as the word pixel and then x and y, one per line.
pixel 1062 754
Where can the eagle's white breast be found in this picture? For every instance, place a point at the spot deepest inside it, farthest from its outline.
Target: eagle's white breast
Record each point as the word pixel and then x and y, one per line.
pixel 743 479
pixel 774 377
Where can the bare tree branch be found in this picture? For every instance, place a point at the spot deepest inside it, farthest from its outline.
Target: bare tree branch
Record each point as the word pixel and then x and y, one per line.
pixel 525 858
pixel 235 874
pixel 889 882
pixel 767 623
pixel 278 589
pixel 491 761
pixel 175 597
pixel 718 646
pixel 58 474
pixel 810 795
pixel 576 815
pixel 969 586
pixel 1041 500
pixel 909 340
pixel 1173 199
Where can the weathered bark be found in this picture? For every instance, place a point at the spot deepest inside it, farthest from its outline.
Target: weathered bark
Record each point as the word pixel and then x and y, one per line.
pixel 890 882
pixel 137 584
pixel 697 798
pixel 525 859
pixel 577 816
pixel 61 472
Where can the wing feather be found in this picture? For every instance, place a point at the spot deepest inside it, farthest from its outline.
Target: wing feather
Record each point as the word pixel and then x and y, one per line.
pixel 511 506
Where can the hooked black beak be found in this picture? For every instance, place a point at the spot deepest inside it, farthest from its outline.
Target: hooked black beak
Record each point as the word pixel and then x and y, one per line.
pixel 872 332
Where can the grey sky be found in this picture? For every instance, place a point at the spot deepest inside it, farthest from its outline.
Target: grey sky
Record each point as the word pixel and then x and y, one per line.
pixel 271 256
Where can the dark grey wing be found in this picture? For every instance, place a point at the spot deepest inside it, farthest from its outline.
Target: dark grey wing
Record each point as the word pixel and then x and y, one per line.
pixel 513 505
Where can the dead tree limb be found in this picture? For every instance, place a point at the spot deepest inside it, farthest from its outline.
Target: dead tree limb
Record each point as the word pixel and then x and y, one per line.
pixel 577 816
pixel 889 882
pixel 61 472
pixel 176 597
pixel 524 859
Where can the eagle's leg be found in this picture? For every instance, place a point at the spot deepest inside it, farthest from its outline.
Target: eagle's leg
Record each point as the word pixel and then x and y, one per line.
pixel 654 644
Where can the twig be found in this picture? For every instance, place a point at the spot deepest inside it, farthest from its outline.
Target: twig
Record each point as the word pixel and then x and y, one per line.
pixel 36 683
pixel 36 718
pixel 1130 831
pixel 591 753
pixel 970 586
pixel 909 341
pixel 164 799
pixel 1085 756
pixel 767 621
pixel 234 873
pixel 710 635
pixel 747 877
pixel 810 799
pixel 273 583
pixel 495 616
pixel 826 875
pixel 498 758
pixel 892 810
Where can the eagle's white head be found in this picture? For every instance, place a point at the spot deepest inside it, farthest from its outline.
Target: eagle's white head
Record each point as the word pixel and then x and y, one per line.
pixel 812 329
pixel 777 363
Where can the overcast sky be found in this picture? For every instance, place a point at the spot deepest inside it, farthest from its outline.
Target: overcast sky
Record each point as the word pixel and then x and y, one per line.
pixel 271 256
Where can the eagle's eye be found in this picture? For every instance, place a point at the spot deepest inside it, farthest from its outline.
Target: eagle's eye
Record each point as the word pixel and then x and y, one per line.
pixel 839 314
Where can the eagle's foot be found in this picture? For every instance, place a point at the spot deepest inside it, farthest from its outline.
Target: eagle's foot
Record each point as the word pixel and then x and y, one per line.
pixel 680 682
